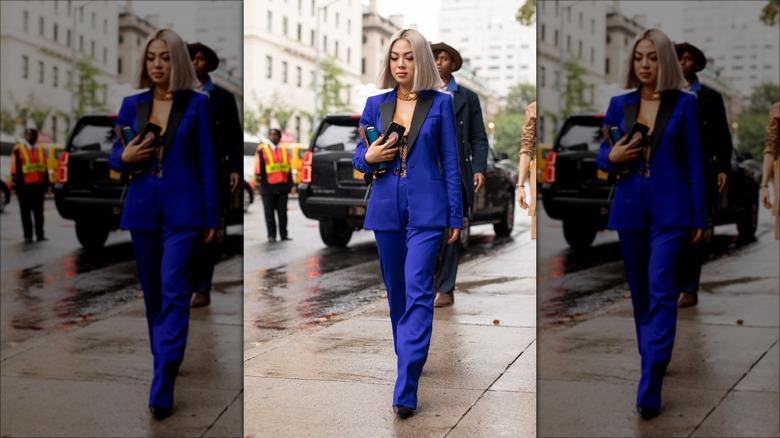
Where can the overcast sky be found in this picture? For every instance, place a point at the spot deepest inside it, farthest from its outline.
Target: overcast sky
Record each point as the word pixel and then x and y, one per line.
pixel 423 13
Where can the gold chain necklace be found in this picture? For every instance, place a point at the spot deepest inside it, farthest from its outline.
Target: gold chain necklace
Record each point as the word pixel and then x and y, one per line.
pixel 167 95
pixel 650 96
pixel 406 96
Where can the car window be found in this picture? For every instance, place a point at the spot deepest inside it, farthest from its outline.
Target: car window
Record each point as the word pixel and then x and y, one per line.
pixel 250 148
pixel 581 136
pixel 94 137
pixel 337 137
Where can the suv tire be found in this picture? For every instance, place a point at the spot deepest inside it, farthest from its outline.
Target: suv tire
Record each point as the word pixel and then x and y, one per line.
pixel 335 232
pixel 504 227
pixel 579 233
pixel 748 221
pixel 247 198
pixel 91 234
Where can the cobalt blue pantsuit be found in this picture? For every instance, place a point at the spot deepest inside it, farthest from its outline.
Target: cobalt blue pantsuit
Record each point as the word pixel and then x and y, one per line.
pixel 409 215
pixel 166 212
pixel 654 213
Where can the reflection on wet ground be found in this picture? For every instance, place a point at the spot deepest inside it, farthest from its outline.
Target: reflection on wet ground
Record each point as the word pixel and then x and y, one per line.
pixel 575 284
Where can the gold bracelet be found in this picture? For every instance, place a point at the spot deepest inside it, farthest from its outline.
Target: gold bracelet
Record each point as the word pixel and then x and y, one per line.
pixel 764 186
pixel 520 185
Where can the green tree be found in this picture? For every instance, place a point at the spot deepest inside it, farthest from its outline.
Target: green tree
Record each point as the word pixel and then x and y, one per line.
pixel 769 13
pixel 763 96
pixel 7 122
pixel 526 15
pixel 87 89
pixel 38 112
pixel 282 111
pixel 509 121
pixel 519 97
pixel 574 90
pixel 251 122
pixel 332 90
pixel 752 123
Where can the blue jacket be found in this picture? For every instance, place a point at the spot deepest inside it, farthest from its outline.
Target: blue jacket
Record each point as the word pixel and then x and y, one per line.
pixel 676 165
pixel 432 169
pixel 188 165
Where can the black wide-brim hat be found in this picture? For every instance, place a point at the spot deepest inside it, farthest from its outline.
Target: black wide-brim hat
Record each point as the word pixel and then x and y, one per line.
pixel 456 58
pixel 698 55
pixel 211 56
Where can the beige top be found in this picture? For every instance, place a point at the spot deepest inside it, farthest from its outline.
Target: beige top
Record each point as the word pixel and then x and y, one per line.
pixel 528 138
pixel 771 140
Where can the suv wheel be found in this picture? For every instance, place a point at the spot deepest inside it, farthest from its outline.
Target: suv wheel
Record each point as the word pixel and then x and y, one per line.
pixel 335 233
pixel 465 234
pixel 504 228
pixel 579 233
pixel 748 222
pixel 247 197
pixel 91 234
pixel 4 200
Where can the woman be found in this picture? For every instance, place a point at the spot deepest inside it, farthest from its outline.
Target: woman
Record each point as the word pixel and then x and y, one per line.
pixel 414 201
pixel 659 203
pixel 171 199
pixel 526 156
pixel 771 145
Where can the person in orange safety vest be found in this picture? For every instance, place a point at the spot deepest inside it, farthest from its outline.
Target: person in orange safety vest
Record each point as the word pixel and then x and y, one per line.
pixel 273 173
pixel 30 178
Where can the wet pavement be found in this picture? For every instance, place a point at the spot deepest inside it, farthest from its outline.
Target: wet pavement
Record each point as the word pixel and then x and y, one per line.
pixel 74 348
pixel 723 377
pixel 318 345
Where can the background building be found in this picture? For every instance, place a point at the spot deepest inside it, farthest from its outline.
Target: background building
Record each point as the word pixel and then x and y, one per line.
pixel 279 42
pixel 36 39
pixel 133 31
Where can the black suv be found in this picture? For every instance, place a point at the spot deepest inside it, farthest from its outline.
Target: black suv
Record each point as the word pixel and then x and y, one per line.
pixel 88 191
pixel 334 193
pixel 576 192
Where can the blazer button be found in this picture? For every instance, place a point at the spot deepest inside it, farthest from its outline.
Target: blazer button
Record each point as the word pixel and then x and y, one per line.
pixel 461 122
pixel 411 165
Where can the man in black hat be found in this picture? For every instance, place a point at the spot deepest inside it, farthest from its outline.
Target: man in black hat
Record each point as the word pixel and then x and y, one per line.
pixel 716 148
pixel 472 150
pixel 228 142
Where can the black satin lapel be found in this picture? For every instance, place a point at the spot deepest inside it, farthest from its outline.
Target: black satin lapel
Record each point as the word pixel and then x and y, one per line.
pixel 420 113
pixel 142 110
pixel 181 100
pixel 386 110
pixel 668 101
pixel 630 110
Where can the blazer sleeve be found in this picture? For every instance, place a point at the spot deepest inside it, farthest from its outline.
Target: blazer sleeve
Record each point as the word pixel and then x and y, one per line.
pixel 528 137
pixel 478 140
pixel 694 161
pixel 126 117
pixel 448 150
pixel 612 118
pixel 207 160
pixel 771 140
pixel 359 159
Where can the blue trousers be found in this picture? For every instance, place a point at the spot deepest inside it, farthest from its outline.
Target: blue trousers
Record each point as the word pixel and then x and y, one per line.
pixel 406 259
pixel 651 258
pixel 163 260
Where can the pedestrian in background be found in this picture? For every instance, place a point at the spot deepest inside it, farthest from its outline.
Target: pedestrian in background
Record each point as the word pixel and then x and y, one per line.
pixel 228 143
pixel 770 167
pixel 472 142
pixel 716 150
pixel 171 198
pixel 659 204
pixel 527 162
pixel 30 180
pixel 413 203
pixel 274 174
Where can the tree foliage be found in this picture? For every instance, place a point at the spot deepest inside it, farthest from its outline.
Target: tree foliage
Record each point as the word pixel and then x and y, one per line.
pixel 752 123
pixel 87 89
pixel 332 90
pixel 251 122
pixel 7 121
pixel 526 15
pixel 509 121
pixel 574 90
pixel 769 13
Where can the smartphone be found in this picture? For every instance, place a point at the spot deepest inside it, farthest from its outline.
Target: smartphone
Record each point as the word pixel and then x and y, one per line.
pixel 128 134
pixel 398 129
pixel 156 130
pixel 615 134
pixel 640 128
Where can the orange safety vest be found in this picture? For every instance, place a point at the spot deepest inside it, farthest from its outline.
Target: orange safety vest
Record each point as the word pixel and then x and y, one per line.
pixel 33 166
pixel 277 164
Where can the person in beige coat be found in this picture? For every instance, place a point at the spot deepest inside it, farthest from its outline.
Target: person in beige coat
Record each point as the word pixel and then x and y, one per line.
pixel 771 141
pixel 527 155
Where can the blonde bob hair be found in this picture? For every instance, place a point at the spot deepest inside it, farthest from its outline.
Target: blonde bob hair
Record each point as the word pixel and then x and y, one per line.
pixel 182 73
pixel 426 77
pixel 670 75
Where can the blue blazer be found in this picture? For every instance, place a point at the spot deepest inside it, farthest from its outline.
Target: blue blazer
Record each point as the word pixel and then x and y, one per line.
pixel 432 169
pixel 676 165
pixel 188 165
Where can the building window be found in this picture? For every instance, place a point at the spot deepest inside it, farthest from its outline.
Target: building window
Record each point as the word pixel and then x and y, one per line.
pixel 337 20
pixel 540 125
pixel 81 43
pixel 606 66
pixel 55 76
pixel 592 25
pixel 55 32
pixel 54 125
pixel 580 19
pixel 313 8
pixel 26 22
pixel 568 43
pixel 543 32
pixel 25 67
pixel 312 38
pixel 363 66
pixel 609 40
pixel 93 20
pixel 349 55
pixel 268 71
pixel 542 75
pixel 40 72
pixel 284 26
pixel 284 72
pixel 298 77
pixel 300 33
pixel 92 49
pixel 105 55
pixel 325 15
pixel 579 49
pixel 40 26
pixel 67 38
pixel 336 49
pixel 325 44
pixel 121 39
pixel 105 26
pixel 365 40
pixel 555 38
pixel 119 65
pixel 592 56
pixel 269 22
pixel 298 128
pixel 300 6
pixel 349 26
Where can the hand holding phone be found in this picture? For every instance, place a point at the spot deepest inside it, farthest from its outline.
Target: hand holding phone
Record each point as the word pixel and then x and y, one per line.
pixel 638 128
pixel 154 130
pixel 398 130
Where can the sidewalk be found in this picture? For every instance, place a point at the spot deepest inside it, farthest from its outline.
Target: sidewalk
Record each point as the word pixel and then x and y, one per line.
pixel 723 377
pixel 479 381
pixel 94 380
